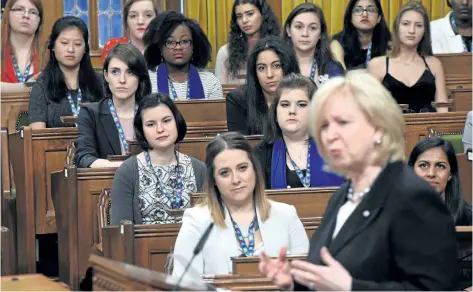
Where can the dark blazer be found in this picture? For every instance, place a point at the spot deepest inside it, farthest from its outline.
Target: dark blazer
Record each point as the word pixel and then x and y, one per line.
pixel 97 134
pixel 264 153
pixel 237 114
pixel 400 237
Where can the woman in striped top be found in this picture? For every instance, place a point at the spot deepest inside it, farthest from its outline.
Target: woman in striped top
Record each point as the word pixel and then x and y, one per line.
pixel 177 50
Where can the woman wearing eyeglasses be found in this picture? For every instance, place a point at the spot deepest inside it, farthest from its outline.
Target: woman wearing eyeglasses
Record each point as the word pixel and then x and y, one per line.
pixel 365 34
pixel 177 51
pixel 21 28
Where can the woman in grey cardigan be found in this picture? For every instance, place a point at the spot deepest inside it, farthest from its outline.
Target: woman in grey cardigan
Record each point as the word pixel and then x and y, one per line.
pixel 158 179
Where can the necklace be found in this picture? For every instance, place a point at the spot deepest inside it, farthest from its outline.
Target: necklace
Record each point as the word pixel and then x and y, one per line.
pixel 26 74
pixel 356 196
pixel 305 180
pixel 176 199
pixel 313 69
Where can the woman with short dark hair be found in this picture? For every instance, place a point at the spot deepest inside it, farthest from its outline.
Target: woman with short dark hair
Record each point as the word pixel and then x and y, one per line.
pixel 104 128
pixel 159 178
pixel 247 106
pixel 177 52
pixel 435 161
pixel 288 154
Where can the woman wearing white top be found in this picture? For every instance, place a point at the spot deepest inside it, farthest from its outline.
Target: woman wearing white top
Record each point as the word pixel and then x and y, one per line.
pixel 385 229
pixel 452 34
pixel 236 203
pixel 251 20
pixel 177 52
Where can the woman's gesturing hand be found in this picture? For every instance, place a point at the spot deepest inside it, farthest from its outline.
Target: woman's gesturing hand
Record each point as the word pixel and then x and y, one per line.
pixel 278 270
pixel 332 277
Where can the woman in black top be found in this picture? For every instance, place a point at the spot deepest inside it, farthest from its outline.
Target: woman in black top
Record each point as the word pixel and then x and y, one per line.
pixel 105 127
pixel 365 34
pixel 434 160
pixel 247 106
pixel 68 78
pixel 287 154
pixel 411 73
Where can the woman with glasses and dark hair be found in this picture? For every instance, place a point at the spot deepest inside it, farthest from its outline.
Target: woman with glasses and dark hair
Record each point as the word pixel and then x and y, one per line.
pixel 137 14
pixel 22 21
pixel 246 221
pixel 105 127
pixel 247 106
pixel 411 73
pixel 177 52
pixel 365 34
pixel 434 160
pixel 251 20
pixel 68 79
pixel 288 154
pixel 160 178
pixel 306 31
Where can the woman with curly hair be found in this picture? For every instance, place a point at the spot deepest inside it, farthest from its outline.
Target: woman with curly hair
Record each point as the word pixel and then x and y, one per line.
pixel 306 31
pixel 251 20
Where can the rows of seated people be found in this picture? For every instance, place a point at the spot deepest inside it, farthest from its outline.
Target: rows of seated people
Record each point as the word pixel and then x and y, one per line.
pixel 163 58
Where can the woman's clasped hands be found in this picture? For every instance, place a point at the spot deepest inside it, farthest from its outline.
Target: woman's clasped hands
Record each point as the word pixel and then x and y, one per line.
pixel 331 277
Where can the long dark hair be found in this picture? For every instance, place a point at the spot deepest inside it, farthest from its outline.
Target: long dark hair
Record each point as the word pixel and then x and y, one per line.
pixel 453 196
pixel 424 48
pixel 161 28
pixel 52 74
pixel 135 61
pixel 272 130
pixel 237 39
pixel 323 54
pixel 256 102
pixel 350 40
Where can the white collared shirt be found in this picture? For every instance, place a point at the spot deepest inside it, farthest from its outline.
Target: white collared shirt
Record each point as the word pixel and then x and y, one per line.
pixel 444 39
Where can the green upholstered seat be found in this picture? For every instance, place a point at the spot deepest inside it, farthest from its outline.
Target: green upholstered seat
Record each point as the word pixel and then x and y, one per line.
pixel 456 140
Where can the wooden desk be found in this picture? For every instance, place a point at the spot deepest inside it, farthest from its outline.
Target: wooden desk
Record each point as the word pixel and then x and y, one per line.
pixel 309 203
pixel 465 174
pixel 75 193
pixel 204 117
pixel 32 282
pixel 34 155
pixel 249 265
pixel 241 282
pixel 423 125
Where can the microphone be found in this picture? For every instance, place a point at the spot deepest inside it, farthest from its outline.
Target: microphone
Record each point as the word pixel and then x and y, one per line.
pixel 197 250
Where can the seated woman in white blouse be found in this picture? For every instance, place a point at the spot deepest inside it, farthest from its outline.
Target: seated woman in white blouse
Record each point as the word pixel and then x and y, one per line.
pixel 245 220
pixel 177 52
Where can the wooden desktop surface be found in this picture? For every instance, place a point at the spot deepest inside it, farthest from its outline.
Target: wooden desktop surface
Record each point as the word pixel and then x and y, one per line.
pixel 32 282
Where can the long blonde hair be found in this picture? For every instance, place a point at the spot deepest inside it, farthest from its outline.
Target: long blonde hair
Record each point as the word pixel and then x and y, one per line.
pixel 213 198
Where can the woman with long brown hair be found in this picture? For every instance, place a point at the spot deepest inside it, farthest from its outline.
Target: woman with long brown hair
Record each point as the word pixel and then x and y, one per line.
pixel 21 28
pixel 137 14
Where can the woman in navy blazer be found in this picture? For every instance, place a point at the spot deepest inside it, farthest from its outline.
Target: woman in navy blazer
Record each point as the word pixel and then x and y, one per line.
pixel 246 222
pixel 385 229
pixel 105 127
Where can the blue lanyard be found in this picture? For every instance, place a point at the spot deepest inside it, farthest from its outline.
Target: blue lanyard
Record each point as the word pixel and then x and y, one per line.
pixel 173 90
pixel 75 109
pixel 454 27
pixel 313 69
pixel 305 180
pixel 17 69
pixel 176 201
pixel 249 249
pixel 117 123
pixel 368 55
